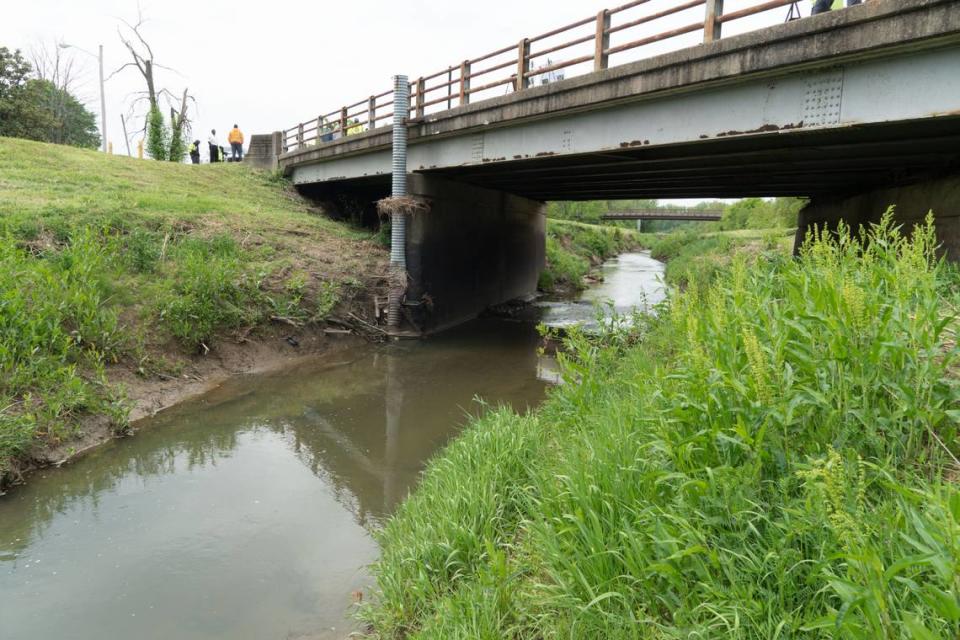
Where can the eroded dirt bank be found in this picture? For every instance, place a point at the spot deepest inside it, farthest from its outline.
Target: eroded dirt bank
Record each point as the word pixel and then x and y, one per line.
pixel 145 396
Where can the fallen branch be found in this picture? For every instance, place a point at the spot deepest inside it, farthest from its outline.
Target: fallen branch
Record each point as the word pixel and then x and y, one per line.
pixel 288 321
pixel 367 324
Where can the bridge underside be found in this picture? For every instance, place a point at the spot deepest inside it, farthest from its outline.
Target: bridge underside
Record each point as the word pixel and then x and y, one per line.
pixel 809 132
pixel 827 108
pixel 815 163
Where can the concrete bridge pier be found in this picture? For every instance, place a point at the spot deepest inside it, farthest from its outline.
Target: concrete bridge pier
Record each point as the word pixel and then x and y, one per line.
pixel 940 195
pixel 474 248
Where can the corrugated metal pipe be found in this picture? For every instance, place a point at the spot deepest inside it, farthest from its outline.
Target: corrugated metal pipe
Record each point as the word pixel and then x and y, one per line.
pixel 398 221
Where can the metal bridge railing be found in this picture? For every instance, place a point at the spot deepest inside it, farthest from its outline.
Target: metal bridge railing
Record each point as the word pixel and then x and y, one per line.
pixel 666 214
pixel 619 35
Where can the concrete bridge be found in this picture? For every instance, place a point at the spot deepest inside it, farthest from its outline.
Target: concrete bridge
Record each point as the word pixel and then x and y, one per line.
pixel 688 215
pixel 842 108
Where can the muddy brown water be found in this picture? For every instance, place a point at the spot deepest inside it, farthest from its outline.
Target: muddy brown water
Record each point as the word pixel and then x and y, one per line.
pixel 247 514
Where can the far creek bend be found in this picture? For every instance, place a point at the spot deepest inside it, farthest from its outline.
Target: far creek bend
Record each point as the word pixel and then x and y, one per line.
pixel 247 514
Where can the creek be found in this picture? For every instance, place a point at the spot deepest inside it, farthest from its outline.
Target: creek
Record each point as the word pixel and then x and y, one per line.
pixel 248 513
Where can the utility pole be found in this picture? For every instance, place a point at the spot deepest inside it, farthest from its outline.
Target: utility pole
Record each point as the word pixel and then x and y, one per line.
pixel 103 97
pixel 103 103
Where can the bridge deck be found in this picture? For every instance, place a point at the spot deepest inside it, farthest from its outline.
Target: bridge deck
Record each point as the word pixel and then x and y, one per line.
pixel 816 106
pixel 685 214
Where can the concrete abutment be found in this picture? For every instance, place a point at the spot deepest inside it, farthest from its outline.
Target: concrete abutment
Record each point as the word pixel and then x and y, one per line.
pixel 474 248
pixel 911 203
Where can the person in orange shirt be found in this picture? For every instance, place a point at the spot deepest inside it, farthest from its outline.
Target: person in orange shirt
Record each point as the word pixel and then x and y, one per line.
pixel 235 138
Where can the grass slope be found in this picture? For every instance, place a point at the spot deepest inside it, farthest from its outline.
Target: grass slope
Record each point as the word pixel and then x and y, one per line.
pixel 773 457
pixel 110 259
pixel 573 248
pixel 699 256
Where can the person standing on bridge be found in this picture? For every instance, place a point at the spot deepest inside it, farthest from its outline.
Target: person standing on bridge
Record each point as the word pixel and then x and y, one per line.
pixel 214 146
pixel 195 152
pixel 235 138
pixel 822 6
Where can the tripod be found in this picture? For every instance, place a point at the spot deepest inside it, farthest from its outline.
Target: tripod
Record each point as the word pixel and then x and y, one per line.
pixel 794 13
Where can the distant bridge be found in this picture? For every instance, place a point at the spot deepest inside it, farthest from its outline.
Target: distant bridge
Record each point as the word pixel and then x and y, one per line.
pixel 667 214
pixel 849 102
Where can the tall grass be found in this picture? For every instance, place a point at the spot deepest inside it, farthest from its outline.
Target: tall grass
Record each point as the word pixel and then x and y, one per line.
pixel 770 458
pixel 699 256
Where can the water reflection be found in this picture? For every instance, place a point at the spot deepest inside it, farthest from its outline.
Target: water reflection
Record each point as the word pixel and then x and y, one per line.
pixel 247 514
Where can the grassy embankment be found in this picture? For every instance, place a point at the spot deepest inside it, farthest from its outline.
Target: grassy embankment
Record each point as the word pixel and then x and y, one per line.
pixel 574 248
pixel 107 260
pixel 691 254
pixel 773 457
pixel 700 255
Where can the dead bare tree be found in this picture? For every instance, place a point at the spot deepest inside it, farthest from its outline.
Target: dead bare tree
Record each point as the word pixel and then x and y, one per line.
pixel 131 35
pixel 53 64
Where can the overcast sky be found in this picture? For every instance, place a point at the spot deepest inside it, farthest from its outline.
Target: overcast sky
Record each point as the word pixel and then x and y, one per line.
pixel 268 65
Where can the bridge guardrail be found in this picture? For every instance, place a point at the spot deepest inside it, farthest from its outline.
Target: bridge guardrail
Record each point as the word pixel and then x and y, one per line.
pixel 593 42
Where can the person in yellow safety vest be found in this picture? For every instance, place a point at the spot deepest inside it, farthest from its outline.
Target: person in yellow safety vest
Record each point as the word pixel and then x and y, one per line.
pixel 235 138
pixel 195 152
pixel 355 127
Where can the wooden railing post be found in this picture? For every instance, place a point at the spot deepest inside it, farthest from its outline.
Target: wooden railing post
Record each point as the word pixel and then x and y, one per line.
pixel 421 92
pixel 343 122
pixel 600 57
pixel 319 129
pixel 465 82
pixel 372 113
pixel 299 135
pixel 523 56
pixel 712 25
pixel 449 88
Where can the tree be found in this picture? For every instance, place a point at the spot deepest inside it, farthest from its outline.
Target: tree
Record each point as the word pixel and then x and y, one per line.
pixel 592 210
pixel 68 121
pixel 37 109
pixel 165 142
pixel 16 113
pixel 23 113
pixel 157 135
pixel 56 70
pixel 14 72
pixel 758 213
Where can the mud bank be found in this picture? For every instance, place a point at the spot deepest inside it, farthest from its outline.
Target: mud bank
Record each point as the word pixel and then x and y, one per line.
pixel 146 396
